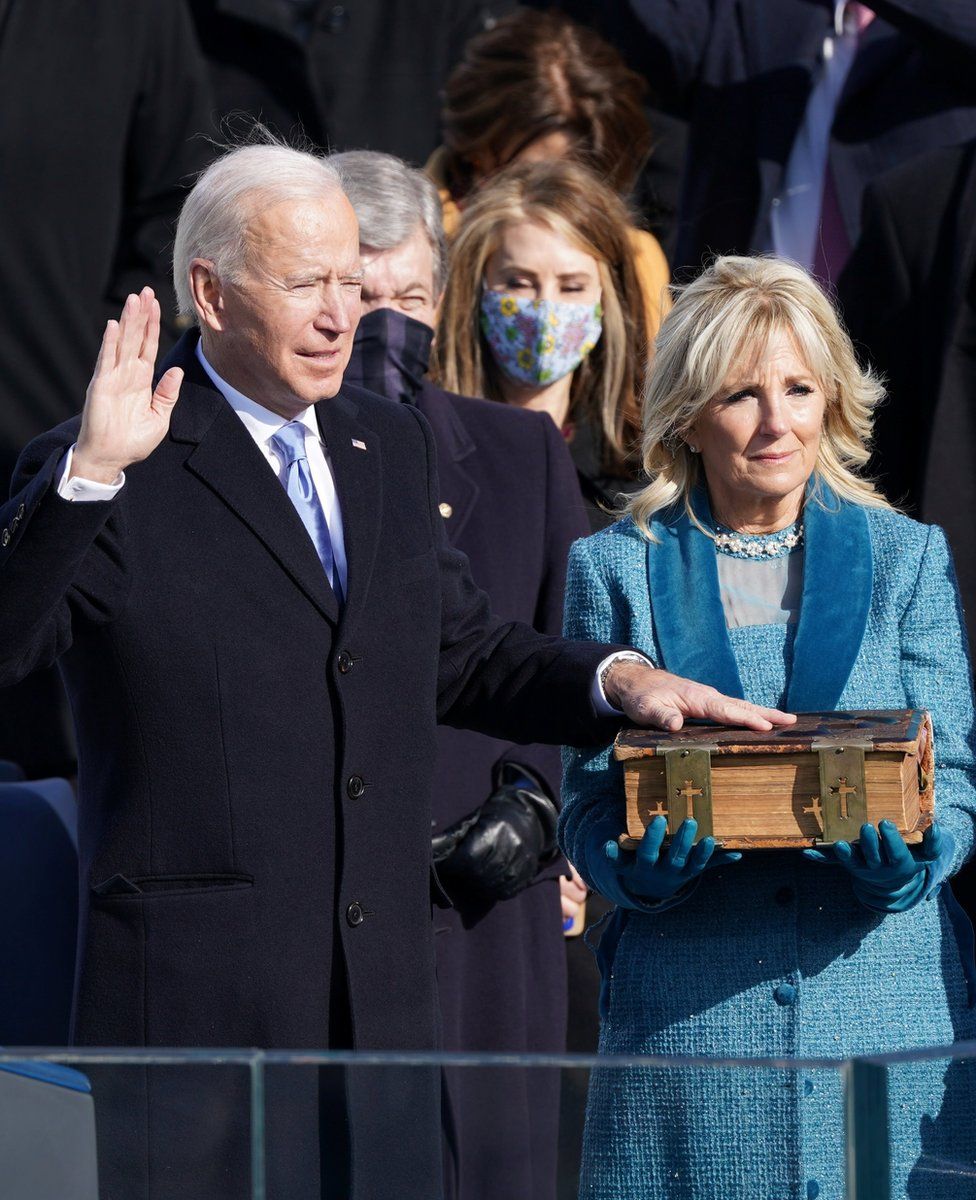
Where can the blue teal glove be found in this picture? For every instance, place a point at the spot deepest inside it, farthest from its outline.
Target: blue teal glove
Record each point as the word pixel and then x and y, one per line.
pixel 888 875
pixel 647 877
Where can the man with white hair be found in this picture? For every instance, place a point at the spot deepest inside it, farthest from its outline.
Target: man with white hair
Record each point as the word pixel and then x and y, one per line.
pixel 259 621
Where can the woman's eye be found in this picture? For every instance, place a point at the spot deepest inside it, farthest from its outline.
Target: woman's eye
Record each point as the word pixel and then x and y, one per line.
pixel 738 396
pixel 516 282
pixel 800 389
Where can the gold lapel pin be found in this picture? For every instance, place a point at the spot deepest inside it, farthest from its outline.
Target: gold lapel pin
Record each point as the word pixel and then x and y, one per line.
pixel 445 509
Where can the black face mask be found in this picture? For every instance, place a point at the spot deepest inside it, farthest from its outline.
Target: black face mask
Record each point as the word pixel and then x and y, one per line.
pixel 390 354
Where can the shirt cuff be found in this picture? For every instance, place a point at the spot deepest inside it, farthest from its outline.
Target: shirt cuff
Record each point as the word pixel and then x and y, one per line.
pixel 84 490
pixel 598 697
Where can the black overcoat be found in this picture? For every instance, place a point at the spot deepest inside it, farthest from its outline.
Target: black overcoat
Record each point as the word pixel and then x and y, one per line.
pixel 908 296
pixel 363 75
pixel 103 108
pixel 511 501
pixel 255 764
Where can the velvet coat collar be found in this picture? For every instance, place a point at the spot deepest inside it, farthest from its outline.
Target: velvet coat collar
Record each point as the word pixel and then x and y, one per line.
pixel 837 572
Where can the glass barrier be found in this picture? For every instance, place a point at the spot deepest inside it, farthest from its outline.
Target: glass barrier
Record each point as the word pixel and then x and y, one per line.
pixel 256 1125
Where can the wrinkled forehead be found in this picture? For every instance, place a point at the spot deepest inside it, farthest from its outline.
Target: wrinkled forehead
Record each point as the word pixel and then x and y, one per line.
pixel 317 230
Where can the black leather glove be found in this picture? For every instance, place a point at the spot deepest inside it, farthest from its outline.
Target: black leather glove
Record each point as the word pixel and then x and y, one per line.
pixel 496 851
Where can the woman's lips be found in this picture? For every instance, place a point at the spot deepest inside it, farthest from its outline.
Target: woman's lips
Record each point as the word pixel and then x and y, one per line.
pixel 772 458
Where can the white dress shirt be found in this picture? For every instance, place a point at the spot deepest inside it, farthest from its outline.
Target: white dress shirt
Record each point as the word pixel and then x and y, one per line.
pixel 262 425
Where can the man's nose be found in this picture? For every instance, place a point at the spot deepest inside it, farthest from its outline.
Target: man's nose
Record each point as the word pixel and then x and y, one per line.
pixel 338 312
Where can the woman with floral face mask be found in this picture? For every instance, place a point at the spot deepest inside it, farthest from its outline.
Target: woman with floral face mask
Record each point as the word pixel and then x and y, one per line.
pixel 543 309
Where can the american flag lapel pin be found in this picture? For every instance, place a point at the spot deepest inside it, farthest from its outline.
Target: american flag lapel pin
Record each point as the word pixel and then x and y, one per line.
pixel 358 444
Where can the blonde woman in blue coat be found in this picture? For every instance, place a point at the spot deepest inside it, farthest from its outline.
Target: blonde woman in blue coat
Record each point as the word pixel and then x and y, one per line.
pixel 757 559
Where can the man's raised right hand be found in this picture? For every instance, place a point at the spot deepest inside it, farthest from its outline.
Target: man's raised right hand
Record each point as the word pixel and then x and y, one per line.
pixel 124 420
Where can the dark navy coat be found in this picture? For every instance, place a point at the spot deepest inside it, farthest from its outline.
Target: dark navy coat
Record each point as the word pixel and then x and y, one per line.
pixel 510 500
pixel 255 765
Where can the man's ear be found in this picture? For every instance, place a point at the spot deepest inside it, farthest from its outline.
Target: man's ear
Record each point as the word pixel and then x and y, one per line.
pixel 205 287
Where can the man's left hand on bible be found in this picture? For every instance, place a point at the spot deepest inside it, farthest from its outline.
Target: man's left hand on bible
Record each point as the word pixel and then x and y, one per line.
pixel 647 696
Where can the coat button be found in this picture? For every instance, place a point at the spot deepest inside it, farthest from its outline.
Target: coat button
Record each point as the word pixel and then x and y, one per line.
pixel 21 510
pixel 355 787
pixel 5 537
pixel 355 915
pixel 445 509
pixel 785 896
pixel 785 994
pixel 344 662
pixel 813 1189
pixel 337 18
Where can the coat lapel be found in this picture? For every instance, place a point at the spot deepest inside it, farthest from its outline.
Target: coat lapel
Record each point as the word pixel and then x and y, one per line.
pixel 354 450
pixel 230 464
pixel 837 577
pixel 458 489
pixel 837 574
pixel 686 602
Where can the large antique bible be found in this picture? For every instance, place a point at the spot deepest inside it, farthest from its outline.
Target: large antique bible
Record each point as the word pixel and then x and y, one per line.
pixel 816 782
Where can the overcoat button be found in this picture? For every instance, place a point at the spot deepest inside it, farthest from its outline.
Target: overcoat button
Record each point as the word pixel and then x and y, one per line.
pixel 337 18
pixel 445 509
pixel 21 510
pixel 813 1189
pixel 785 994
pixel 355 915
pixel 345 662
pixel 5 537
pixel 355 787
pixel 784 896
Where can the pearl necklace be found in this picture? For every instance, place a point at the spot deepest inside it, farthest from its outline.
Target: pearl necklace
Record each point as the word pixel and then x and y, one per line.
pixel 758 545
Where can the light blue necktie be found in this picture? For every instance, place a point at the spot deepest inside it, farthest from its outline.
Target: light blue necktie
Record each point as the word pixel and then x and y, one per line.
pixel 289 445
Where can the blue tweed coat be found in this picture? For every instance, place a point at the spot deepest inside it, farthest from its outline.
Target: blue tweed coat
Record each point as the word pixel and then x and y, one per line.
pixel 774 956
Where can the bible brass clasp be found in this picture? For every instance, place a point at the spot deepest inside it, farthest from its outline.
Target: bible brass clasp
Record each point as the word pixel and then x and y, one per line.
pixel 843 795
pixel 688 778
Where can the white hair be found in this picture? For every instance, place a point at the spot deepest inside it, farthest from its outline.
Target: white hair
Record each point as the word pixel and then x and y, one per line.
pixel 391 199
pixel 214 218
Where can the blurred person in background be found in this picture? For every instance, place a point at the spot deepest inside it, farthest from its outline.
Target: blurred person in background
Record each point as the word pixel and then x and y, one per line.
pixel 364 73
pixel 537 87
pixel 543 310
pixel 908 297
pixel 510 501
pixel 100 105
pixel 795 106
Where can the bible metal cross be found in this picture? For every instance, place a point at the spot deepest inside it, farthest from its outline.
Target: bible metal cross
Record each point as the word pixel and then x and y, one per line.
pixel 843 790
pixel 689 791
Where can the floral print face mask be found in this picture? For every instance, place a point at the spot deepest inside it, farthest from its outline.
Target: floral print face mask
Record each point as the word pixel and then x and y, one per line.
pixel 539 341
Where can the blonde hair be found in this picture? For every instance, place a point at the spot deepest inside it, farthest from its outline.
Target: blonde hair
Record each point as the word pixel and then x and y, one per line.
pixel 566 198
pixel 732 309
